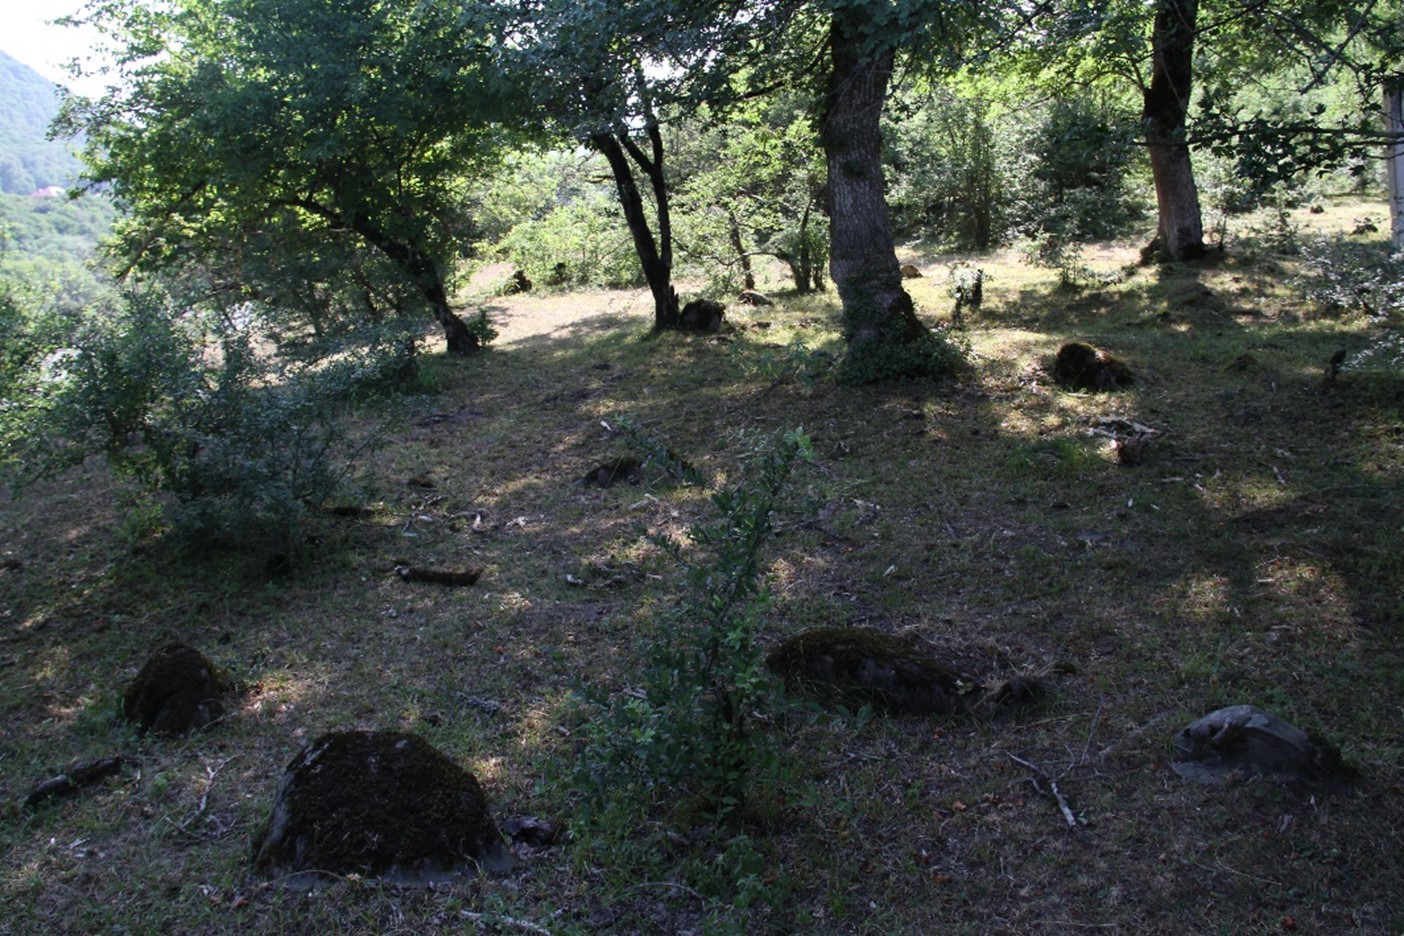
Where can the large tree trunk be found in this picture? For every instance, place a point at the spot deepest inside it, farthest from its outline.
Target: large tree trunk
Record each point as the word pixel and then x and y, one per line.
pixel 1394 163
pixel 655 256
pixel 1181 228
pixel 878 314
pixel 424 273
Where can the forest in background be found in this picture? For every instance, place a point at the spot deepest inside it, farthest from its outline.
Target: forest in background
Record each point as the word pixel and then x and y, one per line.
pixel 29 160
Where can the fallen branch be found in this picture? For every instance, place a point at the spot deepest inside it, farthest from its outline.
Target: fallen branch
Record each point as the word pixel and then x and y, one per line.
pixel 498 919
pixel 79 774
pixel 1041 774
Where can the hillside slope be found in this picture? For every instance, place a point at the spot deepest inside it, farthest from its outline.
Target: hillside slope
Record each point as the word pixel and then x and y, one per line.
pixel 29 161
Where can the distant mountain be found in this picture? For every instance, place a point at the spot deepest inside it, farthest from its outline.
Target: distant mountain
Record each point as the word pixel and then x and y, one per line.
pixel 28 102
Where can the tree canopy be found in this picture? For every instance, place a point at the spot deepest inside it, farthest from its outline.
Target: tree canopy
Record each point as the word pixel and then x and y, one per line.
pixel 254 124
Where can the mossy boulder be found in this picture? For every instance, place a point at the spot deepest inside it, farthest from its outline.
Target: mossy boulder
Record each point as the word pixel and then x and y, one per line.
pixel 379 803
pixel 613 472
pixel 859 666
pixel 702 315
pixel 176 692
pixel 1083 367
pixel 856 666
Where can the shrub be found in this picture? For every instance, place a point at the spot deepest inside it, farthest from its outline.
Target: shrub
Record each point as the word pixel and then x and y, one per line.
pixel 240 443
pixel 1347 278
pixel 1078 186
pixel 579 243
pixel 690 729
pixel 948 177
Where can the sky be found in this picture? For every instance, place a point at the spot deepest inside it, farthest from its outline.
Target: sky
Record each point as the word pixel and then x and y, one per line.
pixel 26 35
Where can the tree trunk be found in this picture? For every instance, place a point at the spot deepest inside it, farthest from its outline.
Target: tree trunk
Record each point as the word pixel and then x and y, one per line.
pixel 1181 228
pixel 655 256
pixel 424 273
pixel 733 230
pixel 458 337
pixel 878 314
pixel 1394 161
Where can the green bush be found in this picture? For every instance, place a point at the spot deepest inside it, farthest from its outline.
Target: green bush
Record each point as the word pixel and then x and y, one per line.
pixel 239 444
pixel 581 243
pixel 948 177
pixel 1346 278
pixel 689 734
pixel 1082 156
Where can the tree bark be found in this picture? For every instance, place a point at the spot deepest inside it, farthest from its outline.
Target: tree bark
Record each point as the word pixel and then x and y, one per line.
pixel 1394 161
pixel 733 230
pixel 416 264
pixel 1181 226
pixel 878 314
pixel 655 255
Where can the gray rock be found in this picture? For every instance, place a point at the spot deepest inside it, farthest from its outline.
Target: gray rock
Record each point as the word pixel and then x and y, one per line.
pixel 1244 740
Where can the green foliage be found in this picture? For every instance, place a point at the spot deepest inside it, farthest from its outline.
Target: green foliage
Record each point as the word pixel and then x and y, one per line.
pixel 689 732
pixel 1082 156
pixel 1062 168
pixel 1346 278
pixel 51 244
pixel 751 185
pixel 33 332
pixel 529 184
pixel 1060 253
pixel 481 329
pixel 795 363
pixel 245 131
pixel 579 243
pixel 966 284
pixel 28 159
pixel 659 454
pixel 1274 123
pixel 935 354
pixel 185 406
pixel 949 175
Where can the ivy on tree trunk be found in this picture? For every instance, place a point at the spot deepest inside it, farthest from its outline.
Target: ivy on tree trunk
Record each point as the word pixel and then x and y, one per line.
pixel 1181 228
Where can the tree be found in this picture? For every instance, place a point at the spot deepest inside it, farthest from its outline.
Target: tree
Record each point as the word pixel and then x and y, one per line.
pixel 878 312
pixel 751 186
pixel 1180 229
pixel 251 124
pixel 1394 161
pixel 885 337
pixel 610 73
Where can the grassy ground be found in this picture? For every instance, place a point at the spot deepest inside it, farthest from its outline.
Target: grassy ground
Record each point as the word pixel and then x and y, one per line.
pixel 1253 556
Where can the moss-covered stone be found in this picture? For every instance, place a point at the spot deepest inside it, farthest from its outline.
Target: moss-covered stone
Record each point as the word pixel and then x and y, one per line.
pixel 176 692
pixel 1083 367
pixel 379 803
pixel 857 666
pixel 612 472
pixel 860 666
